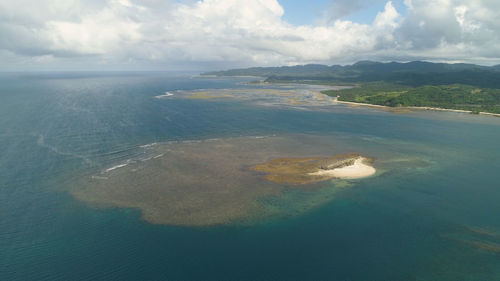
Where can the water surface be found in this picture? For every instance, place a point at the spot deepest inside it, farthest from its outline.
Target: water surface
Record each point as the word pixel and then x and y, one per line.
pixel 433 213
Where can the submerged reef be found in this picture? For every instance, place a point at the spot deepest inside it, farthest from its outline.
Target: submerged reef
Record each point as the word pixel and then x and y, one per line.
pixel 220 181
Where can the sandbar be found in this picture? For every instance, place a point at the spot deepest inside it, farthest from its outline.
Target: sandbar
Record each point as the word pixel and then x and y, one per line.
pixel 298 171
pixel 357 170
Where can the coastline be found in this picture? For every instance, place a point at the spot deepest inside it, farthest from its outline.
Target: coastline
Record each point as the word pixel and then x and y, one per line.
pixel 318 93
pixel 335 99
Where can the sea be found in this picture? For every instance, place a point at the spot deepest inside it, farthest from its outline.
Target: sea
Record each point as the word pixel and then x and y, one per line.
pixel 436 217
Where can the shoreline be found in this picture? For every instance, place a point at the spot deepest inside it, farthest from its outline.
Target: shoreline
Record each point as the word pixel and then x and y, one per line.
pixel 384 107
pixel 335 99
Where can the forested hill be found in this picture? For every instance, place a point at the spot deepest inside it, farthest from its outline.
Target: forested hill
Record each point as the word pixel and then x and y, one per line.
pixel 414 74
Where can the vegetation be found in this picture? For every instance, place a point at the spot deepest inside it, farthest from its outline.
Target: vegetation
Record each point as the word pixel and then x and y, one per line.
pixel 454 96
pixel 453 86
pixel 413 74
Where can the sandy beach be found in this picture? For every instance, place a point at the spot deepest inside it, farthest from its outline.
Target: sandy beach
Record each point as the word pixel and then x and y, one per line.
pixel 413 107
pixel 355 171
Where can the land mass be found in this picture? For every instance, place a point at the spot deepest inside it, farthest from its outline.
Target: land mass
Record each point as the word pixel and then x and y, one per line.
pixel 468 87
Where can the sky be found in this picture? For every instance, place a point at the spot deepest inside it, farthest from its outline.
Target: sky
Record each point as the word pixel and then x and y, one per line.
pixel 220 34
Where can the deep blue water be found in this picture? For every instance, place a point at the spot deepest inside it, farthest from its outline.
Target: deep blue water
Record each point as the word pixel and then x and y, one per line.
pixel 406 224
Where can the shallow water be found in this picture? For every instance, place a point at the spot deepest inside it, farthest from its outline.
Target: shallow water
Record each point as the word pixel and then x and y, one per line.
pixel 217 181
pixel 431 214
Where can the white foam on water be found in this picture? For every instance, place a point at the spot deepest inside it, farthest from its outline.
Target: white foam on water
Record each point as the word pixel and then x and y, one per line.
pixel 167 94
pixel 116 167
pixel 148 145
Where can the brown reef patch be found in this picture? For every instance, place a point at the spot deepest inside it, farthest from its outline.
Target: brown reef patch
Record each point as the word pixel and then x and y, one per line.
pixel 479 238
pixel 210 182
pixel 297 171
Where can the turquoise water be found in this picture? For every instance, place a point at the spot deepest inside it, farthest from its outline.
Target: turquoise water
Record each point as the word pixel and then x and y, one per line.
pixel 406 224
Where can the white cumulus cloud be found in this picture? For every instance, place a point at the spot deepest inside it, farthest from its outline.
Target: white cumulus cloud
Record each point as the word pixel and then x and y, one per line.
pixel 227 33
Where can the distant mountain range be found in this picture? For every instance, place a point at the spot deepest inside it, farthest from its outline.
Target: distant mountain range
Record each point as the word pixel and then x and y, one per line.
pixel 414 73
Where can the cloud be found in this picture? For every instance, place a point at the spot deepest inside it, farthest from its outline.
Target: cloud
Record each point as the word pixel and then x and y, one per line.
pixel 253 31
pixel 228 33
pixel 452 29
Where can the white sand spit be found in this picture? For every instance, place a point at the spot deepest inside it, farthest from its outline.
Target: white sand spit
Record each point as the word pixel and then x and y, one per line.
pixel 355 171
